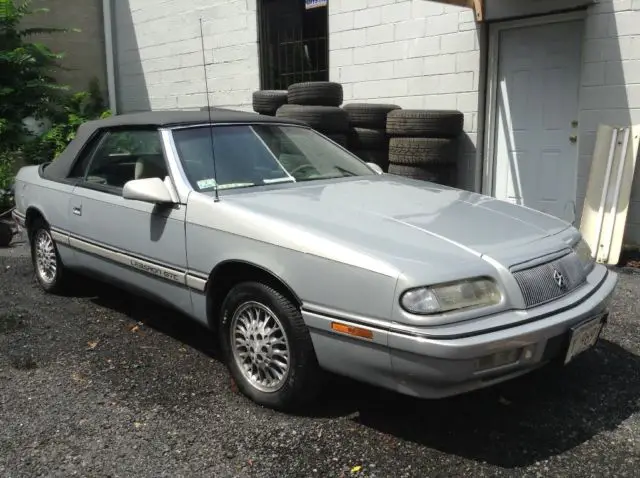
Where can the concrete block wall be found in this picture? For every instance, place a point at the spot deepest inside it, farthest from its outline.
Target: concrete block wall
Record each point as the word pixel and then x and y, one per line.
pixel 84 50
pixel 159 53
pixel 610 89
pixel 413 53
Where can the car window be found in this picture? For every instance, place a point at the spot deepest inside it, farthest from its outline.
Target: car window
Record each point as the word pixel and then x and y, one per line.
pixel 122 156
pixel 247 156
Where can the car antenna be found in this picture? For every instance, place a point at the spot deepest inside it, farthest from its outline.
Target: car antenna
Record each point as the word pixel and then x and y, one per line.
pixel 206 86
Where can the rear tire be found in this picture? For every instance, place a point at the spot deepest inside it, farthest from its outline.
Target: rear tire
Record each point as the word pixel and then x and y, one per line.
pixel 49 270
pixel 425 123
pixel 6 234
pixel 267 102
pixel 366 138
pixel 319 93
pixel 267 347
pixel 328 119
pixel 369 115
pixel 439 176
pixel 423 151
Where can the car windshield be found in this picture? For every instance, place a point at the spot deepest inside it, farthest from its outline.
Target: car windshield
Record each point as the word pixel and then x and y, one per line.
pixel 257 155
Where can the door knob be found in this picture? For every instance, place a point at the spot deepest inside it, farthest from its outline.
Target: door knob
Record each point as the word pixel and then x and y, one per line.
pixel 573 138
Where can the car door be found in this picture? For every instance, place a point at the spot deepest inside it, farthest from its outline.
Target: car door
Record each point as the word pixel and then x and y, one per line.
pixel 128 241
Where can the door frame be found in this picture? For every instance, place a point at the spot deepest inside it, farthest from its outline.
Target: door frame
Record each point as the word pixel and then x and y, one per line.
pixel 491 90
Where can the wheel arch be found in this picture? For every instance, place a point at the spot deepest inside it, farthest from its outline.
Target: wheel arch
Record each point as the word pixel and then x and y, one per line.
pixel 32 214
pixel 231 272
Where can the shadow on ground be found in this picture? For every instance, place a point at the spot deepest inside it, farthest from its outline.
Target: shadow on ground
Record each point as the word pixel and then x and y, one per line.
pixel 511 425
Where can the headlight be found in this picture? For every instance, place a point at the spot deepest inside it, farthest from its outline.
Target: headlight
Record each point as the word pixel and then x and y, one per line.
pixel 458 295
pixel 583 251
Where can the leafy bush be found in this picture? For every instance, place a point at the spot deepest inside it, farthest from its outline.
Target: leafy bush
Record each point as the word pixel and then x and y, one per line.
pixel 27 87
pixel 7 161
pixel 77 109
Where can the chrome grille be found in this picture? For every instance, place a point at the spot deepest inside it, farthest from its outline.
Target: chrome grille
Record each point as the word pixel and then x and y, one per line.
pixel 539 284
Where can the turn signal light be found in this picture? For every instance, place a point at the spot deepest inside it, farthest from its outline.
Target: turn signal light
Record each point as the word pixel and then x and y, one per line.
pixel 350 330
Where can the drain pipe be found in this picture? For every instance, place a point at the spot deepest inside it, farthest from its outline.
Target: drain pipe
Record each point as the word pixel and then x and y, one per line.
pixel 107 16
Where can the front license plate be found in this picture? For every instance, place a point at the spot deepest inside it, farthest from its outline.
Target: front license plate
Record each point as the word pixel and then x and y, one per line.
pixel 583 337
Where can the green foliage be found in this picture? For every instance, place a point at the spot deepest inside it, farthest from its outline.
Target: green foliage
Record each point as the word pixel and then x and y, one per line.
pixel 79 108
pixel 27 87
pixel 28 90
pixel 8 160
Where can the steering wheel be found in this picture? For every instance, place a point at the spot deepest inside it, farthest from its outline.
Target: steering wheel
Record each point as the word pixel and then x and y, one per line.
pixel 300 168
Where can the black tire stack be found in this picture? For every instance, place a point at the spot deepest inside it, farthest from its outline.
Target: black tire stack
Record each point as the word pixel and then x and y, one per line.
pixel 368 137
pixel 424 145
pixel 317 103
pixel 267 102
pixel 6 233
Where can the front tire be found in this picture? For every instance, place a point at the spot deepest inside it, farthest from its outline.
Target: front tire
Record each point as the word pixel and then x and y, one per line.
pixel 267 347
pixel 49 270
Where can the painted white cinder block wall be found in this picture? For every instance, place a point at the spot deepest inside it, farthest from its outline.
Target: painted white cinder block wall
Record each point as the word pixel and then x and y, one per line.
pixel 610 90
pixel 159 53
pixel 413 53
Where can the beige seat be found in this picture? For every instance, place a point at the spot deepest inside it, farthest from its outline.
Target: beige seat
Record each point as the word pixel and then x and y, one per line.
pixel 151 167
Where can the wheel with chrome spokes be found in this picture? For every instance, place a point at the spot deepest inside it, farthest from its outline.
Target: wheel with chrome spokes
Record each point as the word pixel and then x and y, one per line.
pixel 46 260
pixel 267 347
pixel 260 346
pixel 49 269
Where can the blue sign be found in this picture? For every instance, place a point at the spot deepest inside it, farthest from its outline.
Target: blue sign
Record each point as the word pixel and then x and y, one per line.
pixel 308 4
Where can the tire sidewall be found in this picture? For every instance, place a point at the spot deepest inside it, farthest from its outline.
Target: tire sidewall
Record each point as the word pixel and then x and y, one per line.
pixel 47 286
pixel 253 291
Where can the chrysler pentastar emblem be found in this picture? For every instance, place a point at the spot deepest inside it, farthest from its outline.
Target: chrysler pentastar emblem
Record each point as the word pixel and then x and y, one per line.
pixel 559 279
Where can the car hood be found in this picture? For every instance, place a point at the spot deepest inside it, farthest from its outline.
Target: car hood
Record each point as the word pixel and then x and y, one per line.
pixel 411 220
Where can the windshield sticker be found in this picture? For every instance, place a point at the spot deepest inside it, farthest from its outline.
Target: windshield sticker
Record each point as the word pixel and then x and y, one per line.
pixel 207 183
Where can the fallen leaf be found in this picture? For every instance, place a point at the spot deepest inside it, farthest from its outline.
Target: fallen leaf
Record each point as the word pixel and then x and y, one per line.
pixel 504 401
pixel 92 344
pixel 134 329
pixel 356 469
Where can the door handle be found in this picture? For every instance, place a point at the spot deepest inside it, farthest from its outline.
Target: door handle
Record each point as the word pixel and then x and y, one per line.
pixel 77 210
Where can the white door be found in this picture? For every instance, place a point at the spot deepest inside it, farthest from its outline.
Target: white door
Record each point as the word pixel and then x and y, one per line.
pixel 536 156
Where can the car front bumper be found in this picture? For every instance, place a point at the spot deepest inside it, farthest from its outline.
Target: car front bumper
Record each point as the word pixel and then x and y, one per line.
pixel 414 363
pixel 438 368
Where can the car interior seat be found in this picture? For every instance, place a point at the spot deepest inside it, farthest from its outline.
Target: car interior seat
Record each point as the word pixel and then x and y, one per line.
pixel 152 166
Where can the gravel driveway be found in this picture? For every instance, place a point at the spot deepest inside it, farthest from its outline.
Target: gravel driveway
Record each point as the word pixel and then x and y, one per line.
pixel 106 384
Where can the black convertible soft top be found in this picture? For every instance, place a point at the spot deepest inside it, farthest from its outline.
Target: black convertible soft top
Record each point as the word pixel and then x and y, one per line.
pixel 59 169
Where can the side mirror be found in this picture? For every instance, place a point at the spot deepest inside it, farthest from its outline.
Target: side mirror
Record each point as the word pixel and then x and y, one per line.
pixel 151 190
pixel 376 168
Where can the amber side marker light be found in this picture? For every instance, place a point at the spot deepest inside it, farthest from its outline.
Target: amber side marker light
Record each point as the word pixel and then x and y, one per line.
pixel 354 331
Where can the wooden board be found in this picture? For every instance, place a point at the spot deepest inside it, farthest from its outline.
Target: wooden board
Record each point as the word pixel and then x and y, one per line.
pixel 606 204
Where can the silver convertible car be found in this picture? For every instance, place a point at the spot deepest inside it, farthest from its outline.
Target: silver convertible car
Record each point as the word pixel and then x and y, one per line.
pixel 304 259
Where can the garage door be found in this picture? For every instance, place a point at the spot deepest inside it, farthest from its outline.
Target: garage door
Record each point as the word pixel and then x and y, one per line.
pixel 536 156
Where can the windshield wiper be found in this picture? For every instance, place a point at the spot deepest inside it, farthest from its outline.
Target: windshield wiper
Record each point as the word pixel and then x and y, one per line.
pixel 236 185
pixel 279 180
pixel 342 170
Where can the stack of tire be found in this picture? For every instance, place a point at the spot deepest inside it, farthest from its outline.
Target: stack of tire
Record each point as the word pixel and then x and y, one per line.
pixel 424 144
pixel 368 137
pixel 317 103
pixel 6 233
pixel 267 102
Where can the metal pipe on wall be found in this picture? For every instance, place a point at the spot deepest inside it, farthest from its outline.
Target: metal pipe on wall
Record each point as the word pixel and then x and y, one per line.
pixel 109 54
